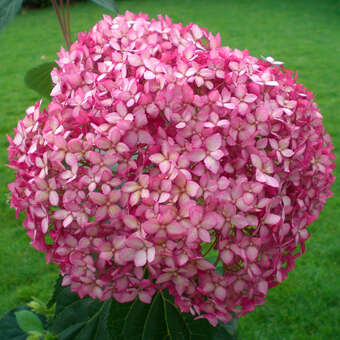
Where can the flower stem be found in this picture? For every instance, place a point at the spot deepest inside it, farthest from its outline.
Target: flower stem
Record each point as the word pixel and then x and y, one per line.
pixel 211 247
pixel 68 21
pixel 63 20
pixel 218 258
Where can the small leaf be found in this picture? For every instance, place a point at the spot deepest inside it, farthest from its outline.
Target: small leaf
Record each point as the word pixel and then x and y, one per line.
pixel 50 336
pixel 108 4
pixel 39 307
pixel 34 335
pixel 57 289
pixel 9 328
pixel 8 9
pixel 29 322
pixel 212 257
pixel 39 79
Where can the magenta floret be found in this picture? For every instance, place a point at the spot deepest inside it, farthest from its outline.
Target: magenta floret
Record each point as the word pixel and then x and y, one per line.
pixel 167 161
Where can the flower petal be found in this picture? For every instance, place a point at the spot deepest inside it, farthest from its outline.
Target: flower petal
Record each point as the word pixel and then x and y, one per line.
pixel 151 226
pixel 239 221
pixel 197 155
pixel 98 198
pixel 252 253
pixel 140 258
pixel 212 164
pixel 54 198
pixel 272 219
pixel 213 142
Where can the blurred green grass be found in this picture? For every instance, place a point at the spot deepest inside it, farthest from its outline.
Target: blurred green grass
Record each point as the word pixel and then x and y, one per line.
pixel 303 33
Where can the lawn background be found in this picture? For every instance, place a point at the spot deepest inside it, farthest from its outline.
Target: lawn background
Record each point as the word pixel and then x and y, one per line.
pixel 303 33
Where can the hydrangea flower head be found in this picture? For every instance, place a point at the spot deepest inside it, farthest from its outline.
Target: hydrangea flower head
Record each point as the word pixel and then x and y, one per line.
pixel 166 160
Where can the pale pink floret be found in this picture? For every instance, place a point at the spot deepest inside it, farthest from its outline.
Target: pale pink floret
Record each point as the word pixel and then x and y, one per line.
pixel 165 160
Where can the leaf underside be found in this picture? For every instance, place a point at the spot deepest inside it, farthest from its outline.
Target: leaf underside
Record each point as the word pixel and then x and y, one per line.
pixel 108 4
pixel 39 79
pixel 8 9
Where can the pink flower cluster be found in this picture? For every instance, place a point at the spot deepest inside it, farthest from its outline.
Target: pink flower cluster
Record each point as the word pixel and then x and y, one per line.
pixel 168 161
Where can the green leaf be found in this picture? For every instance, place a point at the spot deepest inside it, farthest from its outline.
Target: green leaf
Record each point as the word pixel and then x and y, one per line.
pixel 50 336
pixel 57 289
pixel 108 4
pixel 202 330
pixel 231 326
pixel 34 336
pixel 159 320
pixel 29 322
pixel 8 9
pixel 91 319
pixel 9 328
pixel 39 79
pixel 211 257
pixel 83 319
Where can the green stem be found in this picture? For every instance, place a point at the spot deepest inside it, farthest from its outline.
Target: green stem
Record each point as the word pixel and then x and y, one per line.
pixel 211 247
pixel 218 258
